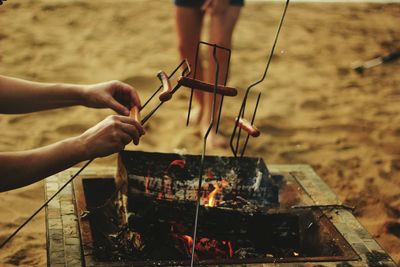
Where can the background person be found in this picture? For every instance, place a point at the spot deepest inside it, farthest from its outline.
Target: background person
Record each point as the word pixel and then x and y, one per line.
pixel 189 23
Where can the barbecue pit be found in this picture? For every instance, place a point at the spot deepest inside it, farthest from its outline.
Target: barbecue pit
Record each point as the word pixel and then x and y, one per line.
pixel 292 218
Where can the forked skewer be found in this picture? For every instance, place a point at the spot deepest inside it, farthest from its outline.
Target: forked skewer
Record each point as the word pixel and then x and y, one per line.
pixel 248 127
pixel 237 129
pixel 210 87
pixel 135 113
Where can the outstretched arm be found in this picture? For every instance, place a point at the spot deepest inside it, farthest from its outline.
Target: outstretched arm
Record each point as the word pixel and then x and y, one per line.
pixel 21 96
pixel 19 169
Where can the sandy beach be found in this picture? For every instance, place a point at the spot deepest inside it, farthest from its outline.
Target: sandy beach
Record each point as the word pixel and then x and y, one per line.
pixel 314 109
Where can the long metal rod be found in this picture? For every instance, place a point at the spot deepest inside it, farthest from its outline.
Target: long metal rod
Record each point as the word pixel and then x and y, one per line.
pixel 143 121
pixel 148 116
pixel 196 218
pixel 44 204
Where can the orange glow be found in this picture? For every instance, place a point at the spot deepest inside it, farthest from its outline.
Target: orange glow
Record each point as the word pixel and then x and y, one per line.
pixel 211 200
pixel 224 183
pixel 295 253
pixel 211 196
pixel 189 240
pixel 230 249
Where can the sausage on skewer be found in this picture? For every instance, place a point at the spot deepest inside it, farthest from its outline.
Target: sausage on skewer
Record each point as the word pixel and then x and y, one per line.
pixel 167 88
pixel 206 87
pixel 247 127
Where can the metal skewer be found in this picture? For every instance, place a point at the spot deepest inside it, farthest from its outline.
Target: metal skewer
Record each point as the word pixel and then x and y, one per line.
pixel 185 72
pixel 196 218
pixel 215 46
pixel 237 132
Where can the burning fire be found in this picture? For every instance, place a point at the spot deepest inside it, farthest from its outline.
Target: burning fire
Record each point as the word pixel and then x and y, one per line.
pixel 189 241
pixel 211 199
pixel 229 246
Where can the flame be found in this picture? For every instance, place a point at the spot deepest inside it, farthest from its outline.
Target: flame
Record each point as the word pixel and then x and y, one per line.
pixel 211 196
pixel 189 243
pixel 189 240
pixel 296 254
pixel 211 200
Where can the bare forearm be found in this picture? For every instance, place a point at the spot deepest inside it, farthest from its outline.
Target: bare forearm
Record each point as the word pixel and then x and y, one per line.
pixel 21 96
pixel 19 169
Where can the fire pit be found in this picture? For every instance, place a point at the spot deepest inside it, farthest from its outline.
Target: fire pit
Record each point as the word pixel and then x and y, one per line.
pixel 249 214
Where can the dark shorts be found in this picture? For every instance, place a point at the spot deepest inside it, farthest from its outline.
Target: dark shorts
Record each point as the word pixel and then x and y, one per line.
pixel 199 3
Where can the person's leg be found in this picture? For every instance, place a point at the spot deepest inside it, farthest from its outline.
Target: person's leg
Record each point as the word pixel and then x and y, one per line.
pixel 221 30
pixel 189 22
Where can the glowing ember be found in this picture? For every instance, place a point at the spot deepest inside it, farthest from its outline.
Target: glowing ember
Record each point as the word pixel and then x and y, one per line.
pixel 189 241
pixel 230 249
pixel 207 248
pixel 178 162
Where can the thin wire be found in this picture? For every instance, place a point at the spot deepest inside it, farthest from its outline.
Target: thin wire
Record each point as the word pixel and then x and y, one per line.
pixel 44 204
pixel 203 156
pixel 252 123
pixel 192 90
pixel 225 81
pixel 143 121
pixel 150 114
pixel 161 86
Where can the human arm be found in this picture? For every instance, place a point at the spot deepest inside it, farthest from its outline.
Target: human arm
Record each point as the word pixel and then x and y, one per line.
pixel 22 168
pixel 22 96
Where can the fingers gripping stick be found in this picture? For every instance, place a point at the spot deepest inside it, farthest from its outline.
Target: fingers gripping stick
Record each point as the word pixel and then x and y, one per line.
pixel 135 114
pixel 248 128
pixel 122 181
pixel 167 88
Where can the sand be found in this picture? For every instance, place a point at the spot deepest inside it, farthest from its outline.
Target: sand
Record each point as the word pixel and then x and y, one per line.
pixel 314 110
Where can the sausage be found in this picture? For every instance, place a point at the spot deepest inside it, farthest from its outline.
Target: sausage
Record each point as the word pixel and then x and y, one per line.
pixel 247 127
pixel 135 113
pixel 167 88
pixel 200 85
